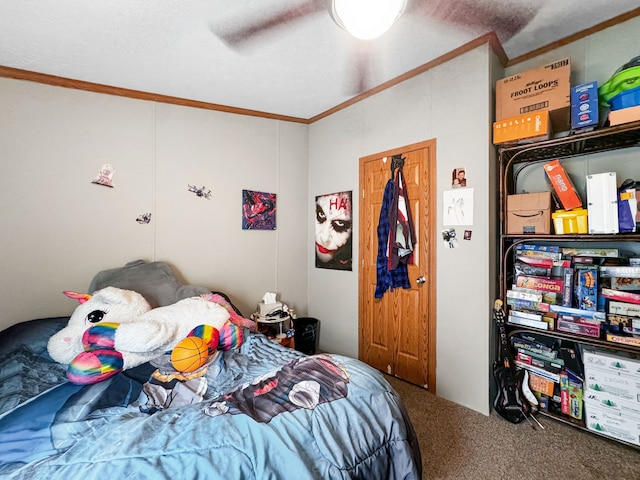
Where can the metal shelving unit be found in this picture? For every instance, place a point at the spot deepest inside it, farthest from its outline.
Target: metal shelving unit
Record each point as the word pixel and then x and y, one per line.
pixel 511 161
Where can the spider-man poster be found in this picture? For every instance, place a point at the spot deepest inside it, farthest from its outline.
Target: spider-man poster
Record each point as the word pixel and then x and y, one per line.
pixel 258 210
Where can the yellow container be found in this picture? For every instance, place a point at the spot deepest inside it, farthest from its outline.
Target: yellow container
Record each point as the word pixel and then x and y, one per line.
pixel 570 221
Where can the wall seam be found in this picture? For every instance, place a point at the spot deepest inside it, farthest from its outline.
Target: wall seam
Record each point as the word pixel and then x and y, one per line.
pixel 154 196
pixel 278 165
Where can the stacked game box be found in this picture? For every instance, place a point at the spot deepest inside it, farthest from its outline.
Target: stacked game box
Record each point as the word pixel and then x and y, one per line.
pixel 612 395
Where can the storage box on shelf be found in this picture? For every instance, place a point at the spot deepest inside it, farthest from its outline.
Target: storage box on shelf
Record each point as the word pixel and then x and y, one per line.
pixel 572 290
pixel 625 115
pixel 529 213
pixel 544 88
pixel 584 106
pixel 527 128
pixel 612 395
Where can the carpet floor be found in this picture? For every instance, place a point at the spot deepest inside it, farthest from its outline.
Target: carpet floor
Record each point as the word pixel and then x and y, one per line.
pixel 458 443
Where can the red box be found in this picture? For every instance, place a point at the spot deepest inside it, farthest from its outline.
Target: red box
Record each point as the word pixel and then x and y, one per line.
pixel 577 328
pixel 562 185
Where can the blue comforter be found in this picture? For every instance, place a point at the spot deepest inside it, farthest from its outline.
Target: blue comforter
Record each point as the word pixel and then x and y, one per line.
pixel 269 412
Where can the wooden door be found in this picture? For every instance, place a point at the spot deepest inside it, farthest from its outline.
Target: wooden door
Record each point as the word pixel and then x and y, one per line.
pixel 397 332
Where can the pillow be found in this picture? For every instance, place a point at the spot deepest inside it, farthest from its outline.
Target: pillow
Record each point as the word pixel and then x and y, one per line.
pixel 155 281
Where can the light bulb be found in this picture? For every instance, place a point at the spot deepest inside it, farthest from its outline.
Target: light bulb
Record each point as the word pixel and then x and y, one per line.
pixel 367 19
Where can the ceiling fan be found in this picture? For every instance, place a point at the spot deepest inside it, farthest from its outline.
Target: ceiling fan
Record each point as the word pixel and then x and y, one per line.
pixel 477 15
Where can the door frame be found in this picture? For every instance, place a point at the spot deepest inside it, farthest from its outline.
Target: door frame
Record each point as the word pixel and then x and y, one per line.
pixel 429 226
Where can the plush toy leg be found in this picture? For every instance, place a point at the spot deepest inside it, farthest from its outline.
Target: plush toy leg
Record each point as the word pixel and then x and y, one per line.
pixel 231 337
pixel 100 337
pixel 95 366
pixel 100 361
pixel 209 334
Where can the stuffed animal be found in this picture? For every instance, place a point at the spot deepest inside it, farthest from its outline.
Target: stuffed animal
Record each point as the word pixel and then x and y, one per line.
pixel 115 329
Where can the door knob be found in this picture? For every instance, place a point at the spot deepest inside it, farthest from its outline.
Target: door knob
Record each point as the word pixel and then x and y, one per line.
pixel 420 280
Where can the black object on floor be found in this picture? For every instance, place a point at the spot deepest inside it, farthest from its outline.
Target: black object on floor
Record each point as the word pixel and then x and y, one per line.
pixel 306 334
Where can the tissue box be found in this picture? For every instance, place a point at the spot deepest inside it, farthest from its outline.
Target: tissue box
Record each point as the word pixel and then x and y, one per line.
pixel 267 308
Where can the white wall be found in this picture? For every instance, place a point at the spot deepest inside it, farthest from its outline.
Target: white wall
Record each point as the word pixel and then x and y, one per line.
pixel 450 103
pixel 453 103
pixel 58 229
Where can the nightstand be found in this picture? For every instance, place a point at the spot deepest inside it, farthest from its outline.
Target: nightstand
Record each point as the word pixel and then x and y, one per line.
pixel 275 328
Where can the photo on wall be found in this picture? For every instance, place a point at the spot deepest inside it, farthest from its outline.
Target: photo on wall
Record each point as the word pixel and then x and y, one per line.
pixel 333 231
pixel 258 210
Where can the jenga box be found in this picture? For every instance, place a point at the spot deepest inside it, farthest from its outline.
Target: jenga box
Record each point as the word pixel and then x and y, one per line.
pixel 562 185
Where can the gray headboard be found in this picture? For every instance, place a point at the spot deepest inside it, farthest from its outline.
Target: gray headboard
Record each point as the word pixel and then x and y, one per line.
pixel 155 281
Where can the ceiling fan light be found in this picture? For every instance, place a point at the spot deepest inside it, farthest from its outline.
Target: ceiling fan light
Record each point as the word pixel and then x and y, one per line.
pixel 367 19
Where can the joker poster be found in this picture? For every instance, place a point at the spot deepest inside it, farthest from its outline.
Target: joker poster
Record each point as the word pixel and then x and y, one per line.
pixel 333 229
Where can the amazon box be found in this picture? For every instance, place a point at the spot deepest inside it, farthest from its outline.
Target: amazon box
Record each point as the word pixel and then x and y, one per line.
pixel 529 213
pixel 544 88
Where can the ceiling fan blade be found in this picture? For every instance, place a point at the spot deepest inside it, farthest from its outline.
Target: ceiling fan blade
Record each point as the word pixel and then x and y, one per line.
pixel 360 69
pixel 236 36
pixel 499 17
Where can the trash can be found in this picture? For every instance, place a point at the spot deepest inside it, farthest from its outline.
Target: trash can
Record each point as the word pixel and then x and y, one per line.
pixel 305 335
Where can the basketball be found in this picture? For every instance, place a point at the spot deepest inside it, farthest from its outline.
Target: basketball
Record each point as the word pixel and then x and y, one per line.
pixel 189 355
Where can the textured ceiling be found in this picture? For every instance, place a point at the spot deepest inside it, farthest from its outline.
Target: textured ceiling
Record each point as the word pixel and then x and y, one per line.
pixel 303 68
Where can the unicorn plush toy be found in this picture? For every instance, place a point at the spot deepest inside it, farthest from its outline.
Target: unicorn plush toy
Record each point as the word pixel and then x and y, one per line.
pixel 115 329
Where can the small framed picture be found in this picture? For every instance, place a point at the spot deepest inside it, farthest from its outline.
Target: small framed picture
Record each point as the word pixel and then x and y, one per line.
pixel 258 210
pixel 459 177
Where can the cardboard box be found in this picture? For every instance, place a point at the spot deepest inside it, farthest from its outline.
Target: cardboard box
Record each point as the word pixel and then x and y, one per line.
pixel 584 106
pixel 577 327
pixel 529 213
pixel 606 361
pixel 541 385
pixel 562 185
pixel 627 209
pixel 544 88
pixel 587 287
pixel 605 422
pixel 530 127
pixel 622 386
pixel 602 202
pixel 571 393
pixel 612 404
pixel 625 115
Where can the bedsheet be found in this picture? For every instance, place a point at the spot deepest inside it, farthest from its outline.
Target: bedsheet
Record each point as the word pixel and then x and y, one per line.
pixel 269 412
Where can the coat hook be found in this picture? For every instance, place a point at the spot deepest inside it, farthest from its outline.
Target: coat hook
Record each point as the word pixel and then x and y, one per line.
pixel 397 162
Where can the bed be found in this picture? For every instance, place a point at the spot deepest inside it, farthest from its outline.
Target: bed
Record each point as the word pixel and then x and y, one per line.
pixel 268 412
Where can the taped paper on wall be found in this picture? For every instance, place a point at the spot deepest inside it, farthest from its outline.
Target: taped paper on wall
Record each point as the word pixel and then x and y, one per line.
pixel 457 207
